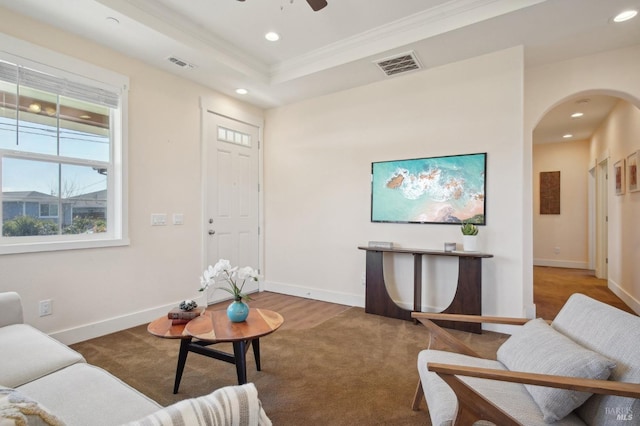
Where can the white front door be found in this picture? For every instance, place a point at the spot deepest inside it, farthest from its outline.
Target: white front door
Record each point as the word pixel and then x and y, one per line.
pixel 232 206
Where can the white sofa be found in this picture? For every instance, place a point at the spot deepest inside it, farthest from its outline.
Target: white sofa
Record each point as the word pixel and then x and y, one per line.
pixel 43 381
pixel 587 340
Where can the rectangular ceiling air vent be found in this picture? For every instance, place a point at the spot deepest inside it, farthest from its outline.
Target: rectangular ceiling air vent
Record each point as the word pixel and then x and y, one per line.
pixel 402 63
pixel 179 62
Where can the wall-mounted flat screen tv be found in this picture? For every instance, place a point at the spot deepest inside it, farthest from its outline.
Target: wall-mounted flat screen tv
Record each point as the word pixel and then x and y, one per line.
pixel 447 190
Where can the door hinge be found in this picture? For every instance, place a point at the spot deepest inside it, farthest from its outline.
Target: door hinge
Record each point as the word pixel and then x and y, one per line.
pixel 258 230
pixel 606 261
pixel 258 143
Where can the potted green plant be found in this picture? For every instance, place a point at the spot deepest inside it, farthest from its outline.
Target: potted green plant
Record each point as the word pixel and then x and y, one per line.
pixel 469 236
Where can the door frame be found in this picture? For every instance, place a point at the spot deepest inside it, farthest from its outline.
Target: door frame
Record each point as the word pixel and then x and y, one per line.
pixel 223 107
pixel 602 219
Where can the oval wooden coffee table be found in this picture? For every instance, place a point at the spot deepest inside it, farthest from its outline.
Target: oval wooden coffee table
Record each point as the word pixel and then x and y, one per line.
pixel 215 327
pixel 164 327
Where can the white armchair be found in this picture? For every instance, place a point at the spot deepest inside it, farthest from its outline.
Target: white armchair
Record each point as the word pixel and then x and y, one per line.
pixel 582 369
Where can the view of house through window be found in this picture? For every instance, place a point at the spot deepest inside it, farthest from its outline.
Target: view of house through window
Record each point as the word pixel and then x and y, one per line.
pixel 56 154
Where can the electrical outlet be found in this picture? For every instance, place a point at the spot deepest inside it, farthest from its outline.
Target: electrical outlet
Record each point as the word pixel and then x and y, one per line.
pixel 45 307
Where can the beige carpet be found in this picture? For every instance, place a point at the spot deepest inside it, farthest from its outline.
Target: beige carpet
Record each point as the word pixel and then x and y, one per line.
pixel 355 368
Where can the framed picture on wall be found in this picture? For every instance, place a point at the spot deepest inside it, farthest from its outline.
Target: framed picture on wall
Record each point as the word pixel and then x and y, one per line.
pixel 632 172
pixel 445 190
pixel 618 173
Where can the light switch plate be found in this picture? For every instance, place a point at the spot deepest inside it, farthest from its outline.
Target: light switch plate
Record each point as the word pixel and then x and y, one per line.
pixel 158 219
pixel 178 219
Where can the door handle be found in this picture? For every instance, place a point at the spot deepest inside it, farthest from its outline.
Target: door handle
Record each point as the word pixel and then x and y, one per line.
pixel 211 232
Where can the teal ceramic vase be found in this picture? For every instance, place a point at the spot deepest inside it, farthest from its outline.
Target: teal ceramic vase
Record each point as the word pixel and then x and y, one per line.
pixel 237 311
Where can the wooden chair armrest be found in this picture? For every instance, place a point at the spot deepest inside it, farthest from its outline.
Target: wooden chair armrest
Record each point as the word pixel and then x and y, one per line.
pixel 473 406
pixel 439 338
pixel 607 387
pixel 442 339
pixel 468 318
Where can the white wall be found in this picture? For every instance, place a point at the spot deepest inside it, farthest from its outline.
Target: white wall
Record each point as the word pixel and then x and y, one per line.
pixel 317 164
pixel 613 73
pixel 318 158
pixel 561 240
pixel 102 290
pixel 619 135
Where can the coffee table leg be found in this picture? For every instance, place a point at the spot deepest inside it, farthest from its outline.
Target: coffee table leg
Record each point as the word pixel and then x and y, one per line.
pixel 182 360
pixel 240 354
pixel 256 352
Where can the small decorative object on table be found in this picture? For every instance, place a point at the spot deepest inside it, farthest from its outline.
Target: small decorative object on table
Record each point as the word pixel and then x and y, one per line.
pixel 187 305
pixel 238 309
pixel 185 312
pixel 469 236
pixel 449 247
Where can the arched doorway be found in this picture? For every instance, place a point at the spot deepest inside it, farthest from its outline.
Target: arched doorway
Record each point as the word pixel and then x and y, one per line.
pixel 586 231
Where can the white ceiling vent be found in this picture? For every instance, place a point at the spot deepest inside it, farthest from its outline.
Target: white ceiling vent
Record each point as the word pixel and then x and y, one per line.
pixel 402 63
pixel 179 62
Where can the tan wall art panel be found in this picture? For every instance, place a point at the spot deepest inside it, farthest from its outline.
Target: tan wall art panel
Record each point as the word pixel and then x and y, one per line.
pixel 550 192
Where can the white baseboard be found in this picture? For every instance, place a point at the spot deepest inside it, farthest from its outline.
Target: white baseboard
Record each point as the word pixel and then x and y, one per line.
pixel 561 263
pixel 314 293
pixel 355 300
pixel 112 325
pixel 633 303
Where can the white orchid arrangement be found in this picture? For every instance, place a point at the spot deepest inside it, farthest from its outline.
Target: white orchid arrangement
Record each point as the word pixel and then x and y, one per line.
pixel 232 275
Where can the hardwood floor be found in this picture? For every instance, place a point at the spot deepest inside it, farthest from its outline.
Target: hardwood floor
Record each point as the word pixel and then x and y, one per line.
pixel 552 287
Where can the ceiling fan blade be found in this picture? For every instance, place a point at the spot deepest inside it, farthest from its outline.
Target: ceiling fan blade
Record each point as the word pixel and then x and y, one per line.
pixel 316 5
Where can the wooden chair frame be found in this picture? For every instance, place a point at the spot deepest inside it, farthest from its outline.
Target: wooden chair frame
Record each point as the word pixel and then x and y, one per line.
pixel 473 406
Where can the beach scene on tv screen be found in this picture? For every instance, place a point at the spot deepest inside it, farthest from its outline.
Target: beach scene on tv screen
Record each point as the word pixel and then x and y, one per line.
pixel 447 189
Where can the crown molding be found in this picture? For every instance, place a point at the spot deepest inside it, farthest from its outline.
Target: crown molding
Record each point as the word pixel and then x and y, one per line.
pixel 437 20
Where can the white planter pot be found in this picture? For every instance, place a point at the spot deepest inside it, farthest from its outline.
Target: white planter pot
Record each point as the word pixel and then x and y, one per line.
pixel 470 242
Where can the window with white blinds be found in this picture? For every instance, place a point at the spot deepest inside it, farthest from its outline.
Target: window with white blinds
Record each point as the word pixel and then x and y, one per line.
pixel 61 147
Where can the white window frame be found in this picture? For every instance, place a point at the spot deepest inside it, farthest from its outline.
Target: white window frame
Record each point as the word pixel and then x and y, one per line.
pixel 45 60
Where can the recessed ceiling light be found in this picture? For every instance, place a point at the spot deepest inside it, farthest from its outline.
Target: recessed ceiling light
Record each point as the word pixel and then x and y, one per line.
pixel 625 16
pixel 85 116
pixel 577 114
pixel 35 107
pixel 567 136
pixel 272 36
pixel 242 91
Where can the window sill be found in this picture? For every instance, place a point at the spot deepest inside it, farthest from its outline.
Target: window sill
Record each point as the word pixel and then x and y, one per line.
pixel 61 245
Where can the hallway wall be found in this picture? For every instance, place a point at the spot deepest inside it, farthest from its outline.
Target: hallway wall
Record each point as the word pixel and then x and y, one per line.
pixel 613 73
pixel 561 240
pixel 617 138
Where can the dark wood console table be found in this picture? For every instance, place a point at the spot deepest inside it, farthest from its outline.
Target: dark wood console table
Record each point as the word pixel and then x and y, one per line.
pixel 467 299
